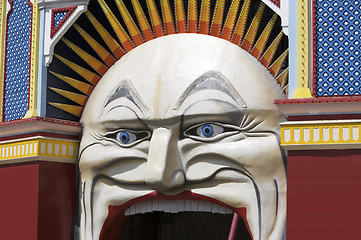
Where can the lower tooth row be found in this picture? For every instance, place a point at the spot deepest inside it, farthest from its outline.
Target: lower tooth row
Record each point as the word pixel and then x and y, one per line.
pixel 176 206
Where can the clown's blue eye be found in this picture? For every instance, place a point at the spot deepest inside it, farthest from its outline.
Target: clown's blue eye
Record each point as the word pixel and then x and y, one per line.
pixel 123 137
pixel 207 130
pixel 126 137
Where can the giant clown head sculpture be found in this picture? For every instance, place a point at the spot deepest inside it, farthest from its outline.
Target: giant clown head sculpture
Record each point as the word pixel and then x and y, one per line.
pixel 183 124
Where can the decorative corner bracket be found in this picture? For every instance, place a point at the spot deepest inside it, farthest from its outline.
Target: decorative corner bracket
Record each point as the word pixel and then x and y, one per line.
pixel 55 28
pixel 281 7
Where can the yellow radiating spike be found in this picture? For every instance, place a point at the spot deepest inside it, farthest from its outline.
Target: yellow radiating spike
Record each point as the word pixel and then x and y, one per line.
pixel 75 97
pixel 285 90
pixel 276 67
pixel 180 16
pixel 113 45
pixel 260 45
pixel 89 59
pixel 204 17
pixel 72 109
pixel 85 73
pixel 155 19
pixel 117 27
pixel 217 20
pixel 142 20
pixel 81 86
pixel 283 77
pixel 129 22
pixel 102 52
pixel 230 20
pixel 253 29
pixel 167 17
pixel 192 16
pixel 241 23
pixel 269 54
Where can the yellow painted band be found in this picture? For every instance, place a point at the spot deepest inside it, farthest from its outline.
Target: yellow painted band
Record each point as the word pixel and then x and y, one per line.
pixel 39 147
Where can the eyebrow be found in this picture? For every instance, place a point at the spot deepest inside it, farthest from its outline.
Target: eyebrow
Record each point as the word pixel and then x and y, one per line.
pixel 211 80
pixel 127 90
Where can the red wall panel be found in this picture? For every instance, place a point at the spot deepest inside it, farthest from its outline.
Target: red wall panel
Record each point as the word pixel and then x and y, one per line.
pixel 56 200
pixel 19 202
pixel 324 195
pixel 37 201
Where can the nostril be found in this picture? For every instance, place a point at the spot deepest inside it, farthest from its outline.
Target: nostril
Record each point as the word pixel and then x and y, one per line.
pixel 178 178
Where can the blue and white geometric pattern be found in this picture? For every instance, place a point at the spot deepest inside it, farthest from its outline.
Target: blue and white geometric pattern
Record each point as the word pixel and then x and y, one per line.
pixel 58 16
pixel 17 73
pixel 338 47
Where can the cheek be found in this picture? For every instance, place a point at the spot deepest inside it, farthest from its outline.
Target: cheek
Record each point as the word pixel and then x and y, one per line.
pixel 121 164
pixel 260 156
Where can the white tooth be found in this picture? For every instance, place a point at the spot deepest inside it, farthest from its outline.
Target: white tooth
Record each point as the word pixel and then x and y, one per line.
pixel 132 210
pixel 201 206
pixel 222 210
pixel 207 207
pixel 194 206
pixel 142 207
pixel 180 206
pixel 126 213
pixel 166 206
pixel 155 204
pixel 215 208
pixel 187 205
pixel 136 207
pixel 228 211
pixel 149 206
pixel 161 206
pixel 174 206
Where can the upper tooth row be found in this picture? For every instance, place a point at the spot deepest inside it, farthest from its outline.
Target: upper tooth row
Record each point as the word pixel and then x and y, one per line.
pixel 175 206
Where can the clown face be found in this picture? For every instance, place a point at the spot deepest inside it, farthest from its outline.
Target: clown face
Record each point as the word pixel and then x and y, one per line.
pixel 183 123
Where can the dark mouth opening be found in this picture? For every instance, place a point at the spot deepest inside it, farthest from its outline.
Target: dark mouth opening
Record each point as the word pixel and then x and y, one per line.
pixel 183 216
pixel 180 226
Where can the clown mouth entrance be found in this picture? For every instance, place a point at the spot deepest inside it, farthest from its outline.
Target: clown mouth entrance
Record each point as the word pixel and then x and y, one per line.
pixel 186 215
pixel 190 225
pixel 181 226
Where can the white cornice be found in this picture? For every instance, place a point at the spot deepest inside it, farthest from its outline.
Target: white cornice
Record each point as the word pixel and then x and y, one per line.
pixel 50 4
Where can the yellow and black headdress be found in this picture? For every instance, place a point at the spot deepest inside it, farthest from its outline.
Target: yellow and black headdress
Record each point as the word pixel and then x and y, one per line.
pixel 110 29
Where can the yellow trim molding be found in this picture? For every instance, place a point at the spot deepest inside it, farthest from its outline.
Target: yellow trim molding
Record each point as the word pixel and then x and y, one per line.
pixel 303 90
pixel 32 112
pixel 336 134
pixel 39 148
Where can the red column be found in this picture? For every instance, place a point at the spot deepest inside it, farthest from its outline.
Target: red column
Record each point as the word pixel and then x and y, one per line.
pixel 37 201
pixel 19 201
pixel 324 195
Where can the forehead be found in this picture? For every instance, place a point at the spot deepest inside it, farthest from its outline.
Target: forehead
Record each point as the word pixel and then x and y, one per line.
pixel 162 70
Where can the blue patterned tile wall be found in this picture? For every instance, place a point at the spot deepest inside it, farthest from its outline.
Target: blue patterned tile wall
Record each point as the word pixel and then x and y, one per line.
pixel 338 47
pixel 17 56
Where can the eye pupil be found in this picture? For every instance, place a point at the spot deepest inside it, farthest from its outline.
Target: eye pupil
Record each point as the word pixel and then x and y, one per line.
pixel 207 130
pixel 124 137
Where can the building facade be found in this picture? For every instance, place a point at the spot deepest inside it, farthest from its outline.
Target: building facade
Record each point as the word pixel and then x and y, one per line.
pixel 53 53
